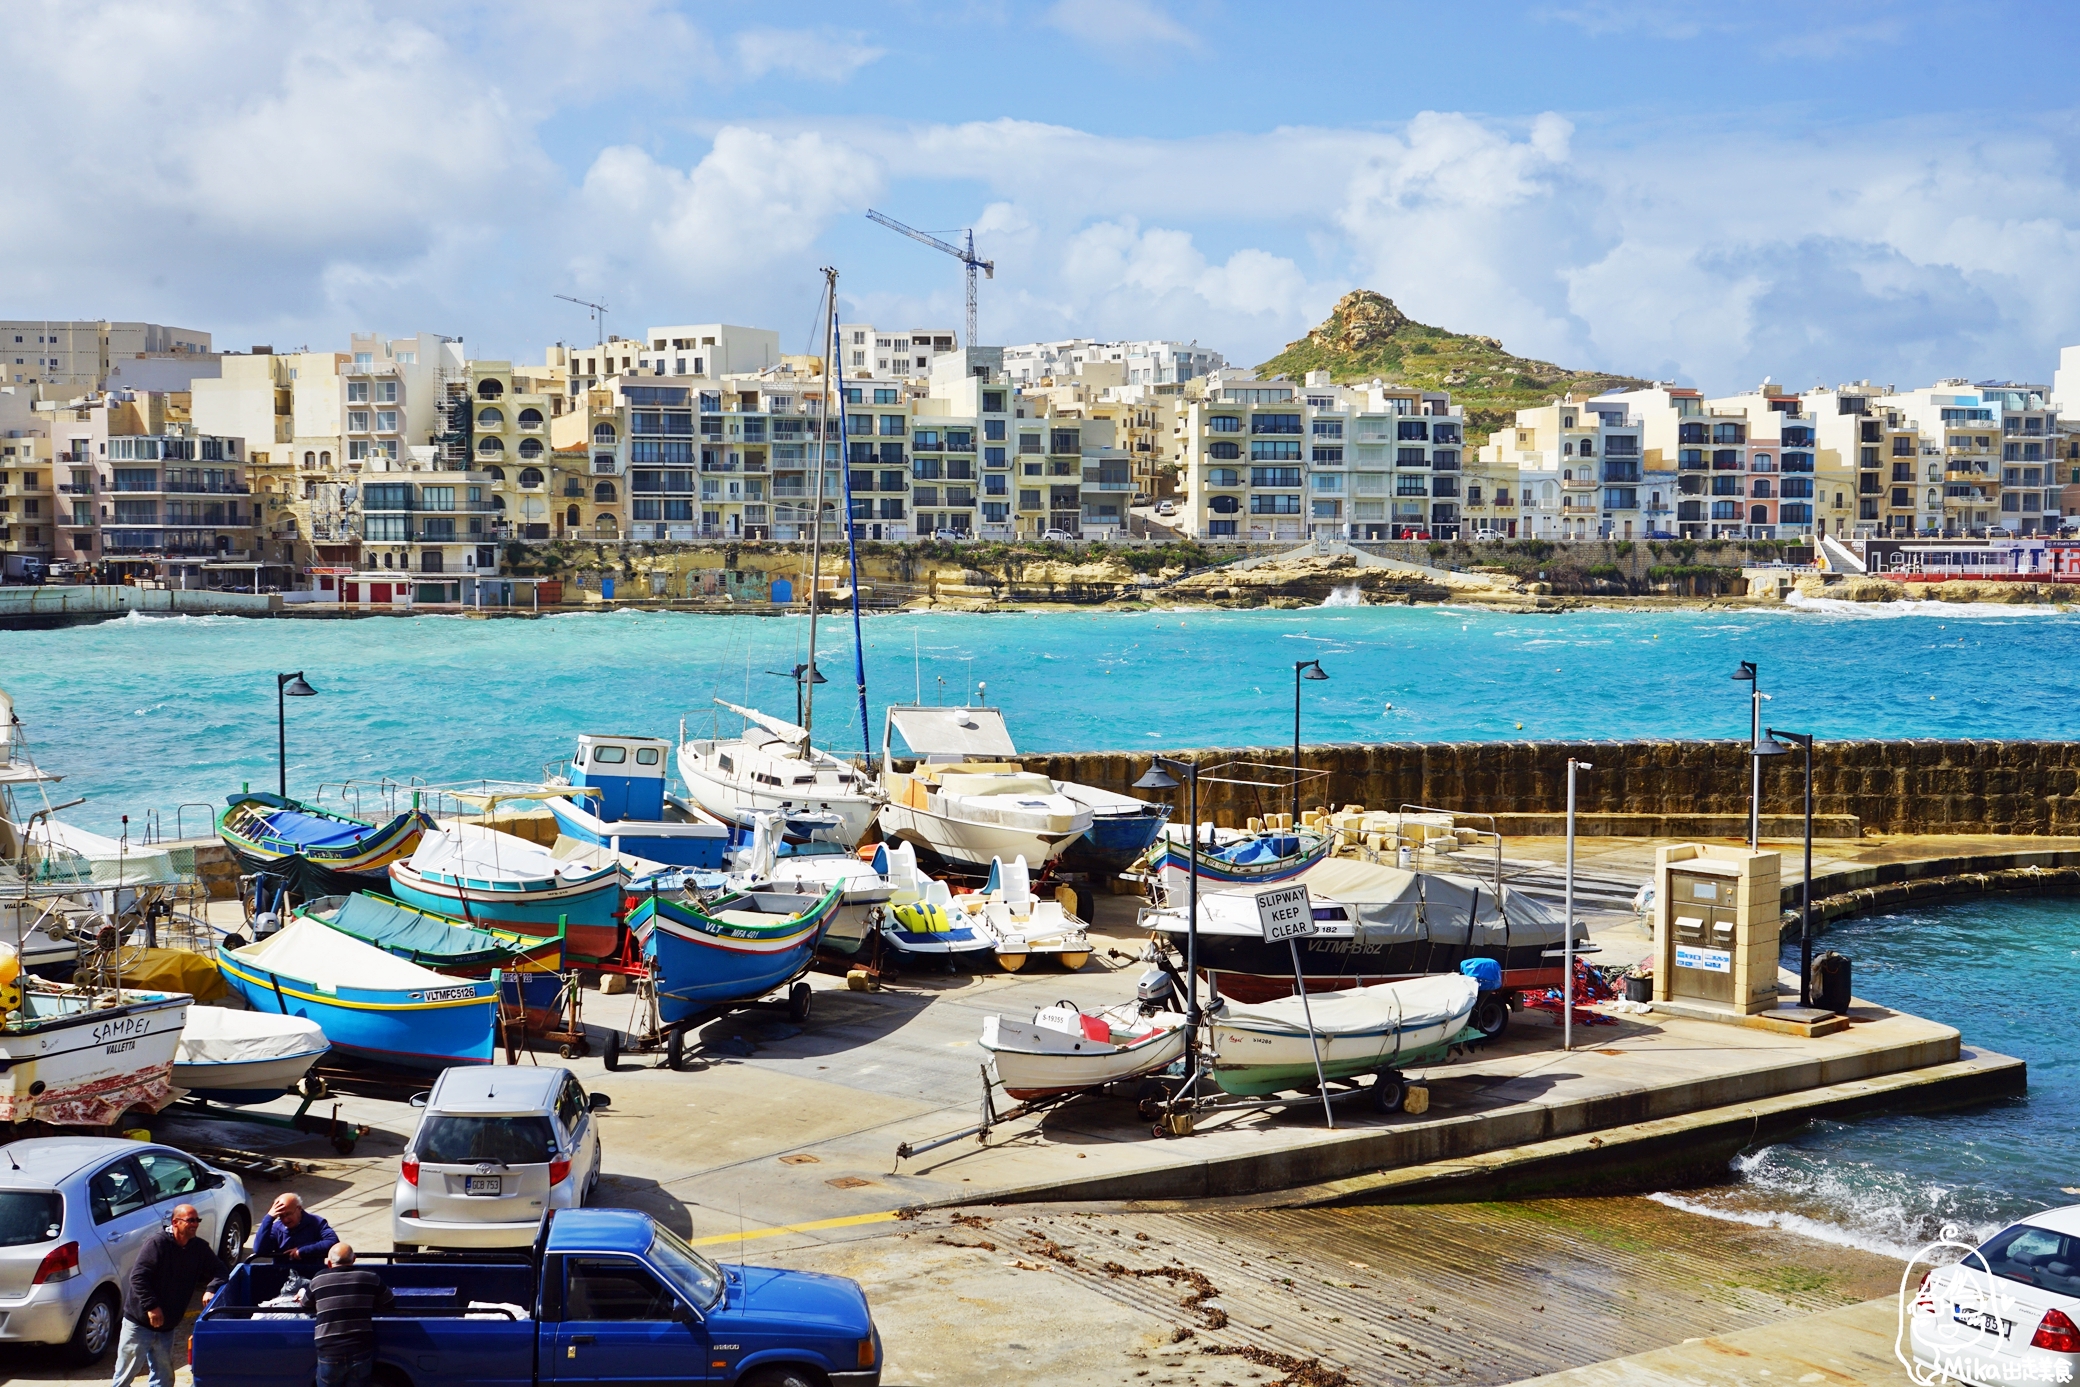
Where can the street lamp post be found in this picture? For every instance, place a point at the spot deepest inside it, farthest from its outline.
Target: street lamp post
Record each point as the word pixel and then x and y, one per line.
pixel 1567 937
pixel 1805 886
pixel 1302 669
pixel 800 676
pixel 1159 777
pixel 286 686
pixel 1746 674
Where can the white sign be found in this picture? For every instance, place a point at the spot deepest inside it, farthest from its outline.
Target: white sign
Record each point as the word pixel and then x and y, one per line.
pixel 1710 960
pixel 1285 912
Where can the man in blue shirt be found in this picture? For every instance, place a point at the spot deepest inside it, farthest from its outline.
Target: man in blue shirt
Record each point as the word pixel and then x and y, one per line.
pixel 293 1232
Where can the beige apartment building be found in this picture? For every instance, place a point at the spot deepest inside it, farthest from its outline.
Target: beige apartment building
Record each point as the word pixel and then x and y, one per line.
pixel 77 356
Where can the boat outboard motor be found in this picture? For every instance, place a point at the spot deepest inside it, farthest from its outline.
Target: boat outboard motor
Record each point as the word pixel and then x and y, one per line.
pixel 1157 990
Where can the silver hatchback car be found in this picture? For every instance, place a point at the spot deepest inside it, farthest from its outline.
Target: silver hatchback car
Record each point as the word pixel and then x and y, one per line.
pixel 75 1211
pixel 495 1150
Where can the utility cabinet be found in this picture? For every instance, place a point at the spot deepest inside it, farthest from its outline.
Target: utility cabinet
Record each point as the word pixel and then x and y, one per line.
pixel 1717 913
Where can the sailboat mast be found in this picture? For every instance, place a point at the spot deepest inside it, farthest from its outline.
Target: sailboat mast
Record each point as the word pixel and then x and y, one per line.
pixel 807 677
pixel 859 644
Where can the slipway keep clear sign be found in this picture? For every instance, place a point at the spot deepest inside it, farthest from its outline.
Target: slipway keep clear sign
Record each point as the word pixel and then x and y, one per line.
pixel 1285 912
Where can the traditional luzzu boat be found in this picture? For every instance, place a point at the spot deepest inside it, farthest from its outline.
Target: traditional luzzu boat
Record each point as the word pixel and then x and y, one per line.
pixel 369 1003
pixel 1240 860
pixel 78 1056
pixel 1271 1048
pixel 432 940
pixel 1122 829
pixel 245 1057
pixel 736 948
pixel 487 878
pixel 314 851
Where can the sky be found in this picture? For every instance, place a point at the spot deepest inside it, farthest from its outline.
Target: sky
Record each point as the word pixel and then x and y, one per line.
pixel 1711 193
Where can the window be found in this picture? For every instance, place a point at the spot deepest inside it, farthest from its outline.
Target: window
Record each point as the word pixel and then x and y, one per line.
pixel 530 447
pixel 1273 450
pixel 1729 433
pixel 1220 529
pixel 1224 451
pixel 1225 505
pixel 1274 476
pixel 1795 486
pixel 167 1176
pixel 357 392
pixel 435 498
pixel 615 1289
pixel 1276 504
pixel 1328 428
pixel 1274 423
pixel 993 403
pixel 1224 476
pixel 1029 500
pixel 1412 428
pixel 1332 457
pixel 1064 440
pixel 117 1190
pixel 886 397
pixel 996 486
pixel 30 1216
pixel 1328 481
pixel 1410 457
pixel 530 476
pixel 891 425
pixel 1224 423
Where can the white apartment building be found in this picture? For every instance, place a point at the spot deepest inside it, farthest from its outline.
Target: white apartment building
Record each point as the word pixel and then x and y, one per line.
pixel 1988 455
pixel 1141 363
pixel 868 352
pixel 1570 470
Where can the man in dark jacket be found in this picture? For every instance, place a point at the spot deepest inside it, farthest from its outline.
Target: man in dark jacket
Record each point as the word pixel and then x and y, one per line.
pixel 169 1267
pixel 293 1232
pixel 345 1300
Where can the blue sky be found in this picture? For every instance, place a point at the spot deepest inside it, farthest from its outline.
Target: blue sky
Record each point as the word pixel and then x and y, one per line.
pixel 1713 193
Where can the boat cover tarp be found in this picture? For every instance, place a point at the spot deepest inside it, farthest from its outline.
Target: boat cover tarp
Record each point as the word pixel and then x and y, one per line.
pixel 1390 1006
pixel 957 733
pixel 71 854
pixel 319 955
pixel 418 936
pixel 477 853
pixel 176 970
pixel 219 1035
pixel 314 830
pixel 1005 783
pixel 1394 906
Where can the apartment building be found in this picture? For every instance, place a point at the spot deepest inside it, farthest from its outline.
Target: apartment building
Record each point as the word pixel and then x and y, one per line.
pixel 79 355
pixel 1143 418
pixel 1275 460
pixel 1987 456
pixel 1140 363
pixel 1873 479
pixel 1570 470
pixel 868 352
pixel 28 497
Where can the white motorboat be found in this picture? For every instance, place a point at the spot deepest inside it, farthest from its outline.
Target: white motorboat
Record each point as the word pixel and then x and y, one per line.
pixel 922 921
pixel 83 1056
pixel 964 801
pixel 773 768
pixel 810 865
pixel 243 1057
pixel 1026 925
pixel 1065 1050
pixel 1269 1047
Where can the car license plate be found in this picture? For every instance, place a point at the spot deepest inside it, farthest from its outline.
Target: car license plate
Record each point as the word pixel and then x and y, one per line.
pixel 482 1184
pixel 1983 1321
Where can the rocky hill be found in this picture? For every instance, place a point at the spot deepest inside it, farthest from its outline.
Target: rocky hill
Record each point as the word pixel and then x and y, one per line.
pixel 1366 336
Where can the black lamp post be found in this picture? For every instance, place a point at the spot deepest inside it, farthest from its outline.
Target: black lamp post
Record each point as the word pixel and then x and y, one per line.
pixel 290 686
pixel 800 675
pixel 1302 669
pixel 1805 886
pixel 1746 675
pixel 1159 777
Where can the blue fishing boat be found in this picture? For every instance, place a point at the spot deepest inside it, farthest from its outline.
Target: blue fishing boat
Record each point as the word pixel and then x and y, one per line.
pixel 367 1002
pixel 432 940
pixel 734 949
pixel 491 879
pixel 314 851
pixel 1122 829
pixel 1251 859
pixel 618 802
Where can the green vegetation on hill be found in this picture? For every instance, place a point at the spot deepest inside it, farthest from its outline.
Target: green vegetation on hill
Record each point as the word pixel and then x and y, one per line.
pixel 1366 336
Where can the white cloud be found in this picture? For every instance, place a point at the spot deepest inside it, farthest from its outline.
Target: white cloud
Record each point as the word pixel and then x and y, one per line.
pixel 818 55
pixel 1121 29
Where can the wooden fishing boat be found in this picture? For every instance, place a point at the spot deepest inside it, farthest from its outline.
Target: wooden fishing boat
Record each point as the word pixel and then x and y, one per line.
pixel 316 851
pixel 432 940
pixel 1270 1047
pixel 245 1057
pixel 1241 860
pixel 81 1056
pixel 1064 1050
pixel 484 877
pixel 734 949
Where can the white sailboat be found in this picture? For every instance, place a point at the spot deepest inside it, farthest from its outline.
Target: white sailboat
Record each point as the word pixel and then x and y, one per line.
pixel 968 800
pixel 773 769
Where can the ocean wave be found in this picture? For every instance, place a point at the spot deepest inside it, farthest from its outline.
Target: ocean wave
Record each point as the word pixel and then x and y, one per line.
pixel 1835 606
pixel 1820 1230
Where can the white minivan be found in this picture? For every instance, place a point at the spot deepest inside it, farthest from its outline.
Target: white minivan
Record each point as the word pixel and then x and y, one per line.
pixel 495 1149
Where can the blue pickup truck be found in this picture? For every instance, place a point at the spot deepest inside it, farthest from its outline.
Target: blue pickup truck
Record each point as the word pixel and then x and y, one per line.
pixel 607 1296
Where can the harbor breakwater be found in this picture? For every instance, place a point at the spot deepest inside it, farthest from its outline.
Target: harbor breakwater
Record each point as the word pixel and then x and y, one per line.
pixel 1646 788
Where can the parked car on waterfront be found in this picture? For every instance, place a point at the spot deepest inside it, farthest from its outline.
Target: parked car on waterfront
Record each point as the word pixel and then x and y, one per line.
pixel 494 1151
pixel 1166 508
pixel 1059 537
pixel 2010 1311
pixel 1487 536
pixel 75 1211
pixel 952 536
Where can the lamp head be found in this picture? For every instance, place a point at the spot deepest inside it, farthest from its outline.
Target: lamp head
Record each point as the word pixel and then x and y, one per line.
pixel 1310 669
pixel 1770 746
pixel 1156 778
pixel 1798 739
pixel 816 676
pixel 294 685
pixel 1745 674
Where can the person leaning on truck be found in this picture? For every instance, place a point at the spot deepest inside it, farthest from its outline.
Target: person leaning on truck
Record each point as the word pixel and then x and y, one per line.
pixel 162 1282
pixel 294 1232
pixel 345 1299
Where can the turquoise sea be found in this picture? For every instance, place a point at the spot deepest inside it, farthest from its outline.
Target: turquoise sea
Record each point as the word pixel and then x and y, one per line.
pixel 150 713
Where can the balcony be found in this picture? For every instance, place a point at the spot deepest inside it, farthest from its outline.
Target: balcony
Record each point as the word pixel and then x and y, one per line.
pixel 1580 484
pixel 368 368
pixel 209 488
pixel 76 488
pixel 1573 507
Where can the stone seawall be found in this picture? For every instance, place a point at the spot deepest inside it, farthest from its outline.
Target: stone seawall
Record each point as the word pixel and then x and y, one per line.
pixel 1643 788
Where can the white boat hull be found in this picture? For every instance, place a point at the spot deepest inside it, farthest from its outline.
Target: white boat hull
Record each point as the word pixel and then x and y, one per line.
pixel 970 845
pixel 1036 1062
pixel 270 1076
pixel 1262 1049
pixel 73 1066
pixel 737 803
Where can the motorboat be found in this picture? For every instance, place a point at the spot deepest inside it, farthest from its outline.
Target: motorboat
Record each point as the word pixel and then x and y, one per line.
pixel 808 864
pixel 1026 925
pixel 617 800
pixel 431 940
pixel 483 876
pixel 1373 923
pixel 312 850
pixel 969 798
pixel 82 1056
pixel 369 1003
pixel 1272 1047
pixel 924 924
pixel 1065 1050
pixel 736 948
pixel 245 1057
pixel 1227 858
pixel 772 767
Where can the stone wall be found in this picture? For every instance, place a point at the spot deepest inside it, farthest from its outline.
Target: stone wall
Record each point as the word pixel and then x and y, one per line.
pixel 1921 787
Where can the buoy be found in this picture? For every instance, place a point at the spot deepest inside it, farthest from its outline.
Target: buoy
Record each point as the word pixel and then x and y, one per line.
pixel 1520 727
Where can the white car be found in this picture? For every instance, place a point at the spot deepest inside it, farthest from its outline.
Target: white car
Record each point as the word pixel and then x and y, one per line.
pixel 75 1211
pixel 1058 537
pixel 1486 536
pixel 494 1151
pixel 2009 1312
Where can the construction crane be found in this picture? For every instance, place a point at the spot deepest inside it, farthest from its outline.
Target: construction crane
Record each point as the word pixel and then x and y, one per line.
pixel 599 316
pixel 966 257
